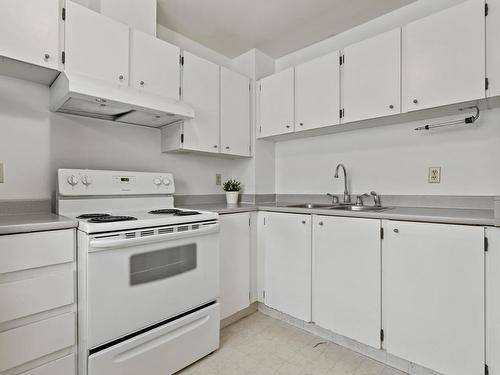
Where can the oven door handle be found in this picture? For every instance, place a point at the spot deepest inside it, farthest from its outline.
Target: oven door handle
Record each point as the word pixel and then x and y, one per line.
pixel 109 243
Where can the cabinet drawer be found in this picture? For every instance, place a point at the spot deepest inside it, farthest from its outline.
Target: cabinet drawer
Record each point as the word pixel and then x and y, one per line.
pixel 31 250
pixel 24 344
pixel 37 294
pixel 63 366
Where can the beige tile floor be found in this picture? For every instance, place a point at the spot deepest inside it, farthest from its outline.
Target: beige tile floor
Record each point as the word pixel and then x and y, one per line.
pixel 261 345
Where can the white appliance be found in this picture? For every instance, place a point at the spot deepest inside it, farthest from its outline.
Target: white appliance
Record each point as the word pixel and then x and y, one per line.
pixel 84 96
pixel 148 280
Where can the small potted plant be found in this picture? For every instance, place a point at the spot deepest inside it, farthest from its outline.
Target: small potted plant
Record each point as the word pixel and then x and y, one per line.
pixel 232 189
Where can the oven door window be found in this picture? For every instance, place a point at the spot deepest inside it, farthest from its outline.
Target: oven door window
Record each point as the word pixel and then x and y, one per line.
pixel 162 264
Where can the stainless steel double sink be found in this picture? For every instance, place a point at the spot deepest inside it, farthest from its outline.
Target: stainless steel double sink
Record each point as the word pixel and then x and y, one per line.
pixel 340 207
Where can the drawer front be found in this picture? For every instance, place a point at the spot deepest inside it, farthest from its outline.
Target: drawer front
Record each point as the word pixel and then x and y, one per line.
pixel 24 344
pixel 164 350
pixel 31 296
pixel 31 250
pixel 63 366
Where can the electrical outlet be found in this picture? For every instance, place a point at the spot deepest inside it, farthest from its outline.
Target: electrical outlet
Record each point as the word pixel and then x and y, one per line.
pixel 218 179
pixel 1 173
pixel 434 175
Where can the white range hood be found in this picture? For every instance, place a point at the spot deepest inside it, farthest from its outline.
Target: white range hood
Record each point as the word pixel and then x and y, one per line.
pixel 85 96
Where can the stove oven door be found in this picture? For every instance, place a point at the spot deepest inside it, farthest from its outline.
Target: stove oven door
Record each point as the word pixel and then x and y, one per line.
pixel 133 283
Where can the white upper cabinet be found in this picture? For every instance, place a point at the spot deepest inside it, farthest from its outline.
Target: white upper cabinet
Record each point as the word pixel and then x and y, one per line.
pixel 155 65
pixel 287 263
pixel 444 57
pixel 29 31
pixel 276 99
pixel 433 295
pixel 493 47
pixel 234 263
pixel 200 89
pixel 235 113
pixel 346 271
pixel 371 77
pixel 96 46
pixel 317 97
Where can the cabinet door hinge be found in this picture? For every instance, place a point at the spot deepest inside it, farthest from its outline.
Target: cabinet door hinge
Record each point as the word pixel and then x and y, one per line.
pixel 382 335
pixel 260 87
pixel 182 138
pixel 260 129
pixel 181 60
pixel 180 92
pixel 250 149
pixel 63 14
pixel 342 113
pixel 486 83
pixel 486 369
pixel 63 57
pixel 264 221
pixel 486 9
pixel 249 221
pixel 486 244
pixel 342 60
pixel 381 233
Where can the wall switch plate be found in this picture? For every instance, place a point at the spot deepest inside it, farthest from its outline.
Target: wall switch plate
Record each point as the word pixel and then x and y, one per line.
pixel 434 175
pixel 1 173
pixel 218 179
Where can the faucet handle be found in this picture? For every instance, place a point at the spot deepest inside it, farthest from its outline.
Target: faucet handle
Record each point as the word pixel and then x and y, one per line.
pixel 335 199
pixel 376 199
pixel 359 199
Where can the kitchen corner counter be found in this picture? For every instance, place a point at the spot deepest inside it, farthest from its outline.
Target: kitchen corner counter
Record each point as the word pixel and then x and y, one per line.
pixel 34 222
pixel 423 214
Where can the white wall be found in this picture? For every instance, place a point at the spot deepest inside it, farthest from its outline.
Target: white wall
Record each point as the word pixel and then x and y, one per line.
pixel 190 45
pixel 395 160
pixel 35 142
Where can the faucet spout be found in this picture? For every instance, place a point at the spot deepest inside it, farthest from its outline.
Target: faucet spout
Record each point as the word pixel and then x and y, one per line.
pixel 347 196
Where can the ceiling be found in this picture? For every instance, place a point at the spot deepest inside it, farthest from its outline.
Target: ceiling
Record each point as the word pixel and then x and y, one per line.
pixel 276 27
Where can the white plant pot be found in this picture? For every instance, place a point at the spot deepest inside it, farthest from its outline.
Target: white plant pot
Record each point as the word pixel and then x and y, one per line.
pixel 232 197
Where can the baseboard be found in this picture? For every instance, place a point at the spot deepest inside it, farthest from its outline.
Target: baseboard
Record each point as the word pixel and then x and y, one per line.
pixel 239 315
pixel 379 355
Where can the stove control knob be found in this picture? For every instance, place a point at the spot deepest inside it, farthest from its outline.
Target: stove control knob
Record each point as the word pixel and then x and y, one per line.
pixel 72 180
pixel 166 181
pixel 87 180
pixel 157 181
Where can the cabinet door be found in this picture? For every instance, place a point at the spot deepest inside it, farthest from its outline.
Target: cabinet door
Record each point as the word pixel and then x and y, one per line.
pixel 444 57
pixel 234 263
pixel 493 47
pixel 493 301
pixel 235 113
pixel 346 271
pixel 287 263
pixel 317 93
pixel 276 101
pixel 29 31
pixel 155 66
pixel 433 295
pixel 96 46
pixel 200 89
pixel 371 84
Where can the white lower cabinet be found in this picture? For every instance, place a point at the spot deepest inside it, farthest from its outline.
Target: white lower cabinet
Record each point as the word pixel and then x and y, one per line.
pixel 234 263
pixel 37 303
pixel 433 295
pixel 493 301
pixel 286 241
pixel 346 277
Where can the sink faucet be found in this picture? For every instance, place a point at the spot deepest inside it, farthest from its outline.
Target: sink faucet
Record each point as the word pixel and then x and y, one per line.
pixel 376 198
pixel 347 197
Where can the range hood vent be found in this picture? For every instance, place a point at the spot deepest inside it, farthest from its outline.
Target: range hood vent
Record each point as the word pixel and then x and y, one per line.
pixel 84 96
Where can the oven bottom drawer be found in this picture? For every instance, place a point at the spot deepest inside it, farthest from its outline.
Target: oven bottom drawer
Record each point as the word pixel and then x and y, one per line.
pixel 163 350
